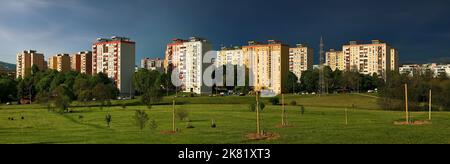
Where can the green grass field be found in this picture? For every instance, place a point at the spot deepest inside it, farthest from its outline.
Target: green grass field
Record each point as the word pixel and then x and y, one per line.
pixel 323 122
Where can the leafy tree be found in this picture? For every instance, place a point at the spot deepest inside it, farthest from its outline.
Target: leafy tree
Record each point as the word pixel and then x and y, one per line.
pixel 181 114
pixel 292 84
pixel 262 106
pixel 83 88
pixel 153 124
pixel 302 110
pixel 26 88
pixel 8 89
pixel 252 106
pixel 104 93
pixel 149 83
pixel 310 80
pixel 351 80
pixel 34 69
pixel 108 119
pixel 61 99
pixel 141 118
pixel 242 89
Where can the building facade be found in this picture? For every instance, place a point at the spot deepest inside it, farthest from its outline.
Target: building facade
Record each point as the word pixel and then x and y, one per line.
pixel 230 56
pixel 268 65
pixel 434 69
pixel 82 62
pixel 410 69
pixel 152 64
pixel 369 59
pixel 26 59
pixel 335 60
pixel 394 60
pixel 116 58
pixel 186 57
pixel 301 59
pixel 175 54
pixel 59 62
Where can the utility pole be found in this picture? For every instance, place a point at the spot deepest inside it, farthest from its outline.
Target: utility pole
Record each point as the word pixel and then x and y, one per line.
pixel 406 103
pixel 321 67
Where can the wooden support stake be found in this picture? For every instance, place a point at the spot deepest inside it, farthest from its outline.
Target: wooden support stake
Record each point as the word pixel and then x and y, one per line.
pixel 173 115
pixel 282 111
pixel 346 116
pixel 406 103
pixel 258 130
pixel 430 106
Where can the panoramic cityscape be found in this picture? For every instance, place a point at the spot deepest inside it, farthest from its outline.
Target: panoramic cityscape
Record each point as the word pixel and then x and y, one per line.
pixel 215 72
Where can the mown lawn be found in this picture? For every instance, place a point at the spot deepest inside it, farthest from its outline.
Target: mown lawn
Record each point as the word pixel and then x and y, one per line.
pixel 323 122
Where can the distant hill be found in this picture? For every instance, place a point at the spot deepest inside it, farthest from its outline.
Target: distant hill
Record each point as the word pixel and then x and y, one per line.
pixel 7 66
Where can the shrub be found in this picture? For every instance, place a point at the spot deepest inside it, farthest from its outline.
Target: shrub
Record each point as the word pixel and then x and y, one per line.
pixel 252 106
pixel 302 110
pixel 293 103
pixel 274 100
pixel 189 126
pixel 108 120
pixel 153 124
pixel 140 118
pixel 182 114
pixel 262 106
pixel 213 124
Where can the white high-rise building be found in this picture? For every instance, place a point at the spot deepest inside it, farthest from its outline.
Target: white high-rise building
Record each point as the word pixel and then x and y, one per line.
pixel 186 57
pixel 116 58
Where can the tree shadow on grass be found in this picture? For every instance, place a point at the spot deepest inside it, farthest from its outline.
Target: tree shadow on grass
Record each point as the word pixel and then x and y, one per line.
pixel 73 120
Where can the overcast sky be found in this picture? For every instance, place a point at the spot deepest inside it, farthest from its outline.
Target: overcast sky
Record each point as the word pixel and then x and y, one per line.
pixel 420 30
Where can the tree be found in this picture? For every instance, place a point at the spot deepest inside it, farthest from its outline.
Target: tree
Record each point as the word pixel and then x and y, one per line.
pixel 34 69
pixel 182 114
pixel 351 80
pixel 108 119
pixel 104 93
pixel 335 81
pixel 141 118
pixel 149 83
pixel 61 99
pixel 310 81
pixel 8 89
pixel 242 89
pixel 153 124
pixel 83 88
pixel 292 84
pixel 26 88
pixel 252 106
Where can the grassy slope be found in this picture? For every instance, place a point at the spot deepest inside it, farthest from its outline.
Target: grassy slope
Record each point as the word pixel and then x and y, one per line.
pixel 319 124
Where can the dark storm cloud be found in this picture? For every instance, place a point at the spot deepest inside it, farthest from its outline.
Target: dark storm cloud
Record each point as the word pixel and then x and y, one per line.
pixel 419 29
